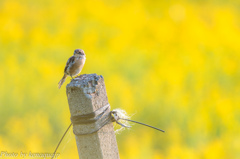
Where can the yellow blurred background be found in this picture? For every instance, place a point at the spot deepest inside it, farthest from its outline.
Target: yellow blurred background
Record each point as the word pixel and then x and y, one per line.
pixel 173 64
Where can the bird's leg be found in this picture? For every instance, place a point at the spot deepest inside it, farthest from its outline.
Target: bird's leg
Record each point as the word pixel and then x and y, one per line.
pixel 72 77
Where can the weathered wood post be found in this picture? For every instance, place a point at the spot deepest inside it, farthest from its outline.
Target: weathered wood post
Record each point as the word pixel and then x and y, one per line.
pixel 86 94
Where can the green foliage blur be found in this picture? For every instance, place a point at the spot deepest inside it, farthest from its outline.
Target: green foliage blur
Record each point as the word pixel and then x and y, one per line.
pixel 172 64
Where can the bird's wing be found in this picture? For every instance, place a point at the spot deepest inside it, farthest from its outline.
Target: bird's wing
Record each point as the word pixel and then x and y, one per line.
pixel 69 63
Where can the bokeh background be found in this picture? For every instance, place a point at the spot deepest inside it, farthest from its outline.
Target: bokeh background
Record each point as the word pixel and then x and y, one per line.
pixel 172 64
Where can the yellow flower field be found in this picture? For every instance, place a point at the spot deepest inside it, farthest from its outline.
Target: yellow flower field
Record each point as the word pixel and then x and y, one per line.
pixel 172 64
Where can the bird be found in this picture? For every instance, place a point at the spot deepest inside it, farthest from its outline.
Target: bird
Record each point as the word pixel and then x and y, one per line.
pixel 73 66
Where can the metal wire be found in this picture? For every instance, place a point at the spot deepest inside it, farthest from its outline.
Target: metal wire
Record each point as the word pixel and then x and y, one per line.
pixel 61 140
pixel 95 117
pixel 143 124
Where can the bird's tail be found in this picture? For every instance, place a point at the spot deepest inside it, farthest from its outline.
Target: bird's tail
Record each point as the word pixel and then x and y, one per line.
pixel 62 81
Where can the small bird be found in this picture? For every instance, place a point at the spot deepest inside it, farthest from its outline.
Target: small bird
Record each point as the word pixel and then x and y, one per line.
pixel 73 66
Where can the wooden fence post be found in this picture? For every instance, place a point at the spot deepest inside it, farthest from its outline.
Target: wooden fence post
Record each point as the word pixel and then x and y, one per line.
pixel 86 94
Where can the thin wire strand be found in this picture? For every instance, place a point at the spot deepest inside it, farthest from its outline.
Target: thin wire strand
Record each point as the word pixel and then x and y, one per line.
pixel 61 140
pixel 143 124
pixel 116 120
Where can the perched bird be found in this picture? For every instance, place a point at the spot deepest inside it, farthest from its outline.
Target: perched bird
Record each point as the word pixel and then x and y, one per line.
pixel 74 65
